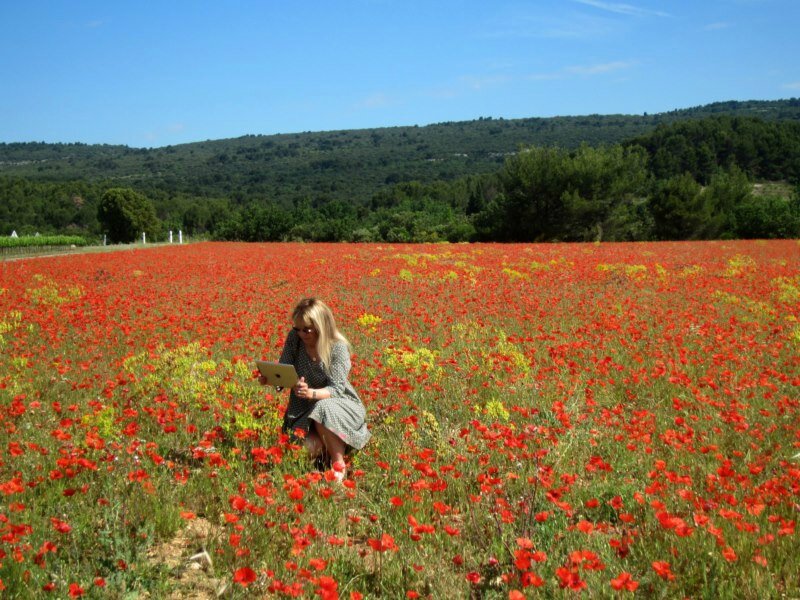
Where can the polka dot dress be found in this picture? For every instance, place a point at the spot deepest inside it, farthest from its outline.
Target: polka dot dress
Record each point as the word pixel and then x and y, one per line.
pixel 343 413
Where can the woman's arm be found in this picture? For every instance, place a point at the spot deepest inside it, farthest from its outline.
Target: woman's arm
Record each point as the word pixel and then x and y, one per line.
pixel 337 377
pixel 302 390
pixel 338 371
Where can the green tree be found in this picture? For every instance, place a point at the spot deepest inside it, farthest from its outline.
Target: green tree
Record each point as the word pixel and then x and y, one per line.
pixel 125 214
pixel 724 194
pixel 678 209
pixel 256 223
pixel 533 183
pixel 597 181
pixel 768 217
pixel 555 194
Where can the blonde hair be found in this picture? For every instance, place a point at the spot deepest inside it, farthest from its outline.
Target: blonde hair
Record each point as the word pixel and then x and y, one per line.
pixel 317 314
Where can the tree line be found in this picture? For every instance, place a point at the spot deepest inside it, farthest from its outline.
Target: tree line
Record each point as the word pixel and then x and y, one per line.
pixel 347 165
pixel 690 179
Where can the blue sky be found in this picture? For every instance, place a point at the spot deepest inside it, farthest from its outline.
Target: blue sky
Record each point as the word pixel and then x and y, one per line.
pixel 154 73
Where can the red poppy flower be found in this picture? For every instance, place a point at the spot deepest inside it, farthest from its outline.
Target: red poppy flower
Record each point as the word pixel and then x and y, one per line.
pixel 663 570
pixel 386 542
pixel 244 576
pixel 624 581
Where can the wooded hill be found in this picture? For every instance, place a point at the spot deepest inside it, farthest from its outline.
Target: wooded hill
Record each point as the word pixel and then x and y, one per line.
pixel 209 187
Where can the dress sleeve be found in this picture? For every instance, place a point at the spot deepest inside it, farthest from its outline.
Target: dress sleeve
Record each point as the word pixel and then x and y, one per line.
pixel 339 369
pixel 289 353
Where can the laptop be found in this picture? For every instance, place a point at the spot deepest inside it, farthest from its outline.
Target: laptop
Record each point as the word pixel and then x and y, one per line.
pixel 277 374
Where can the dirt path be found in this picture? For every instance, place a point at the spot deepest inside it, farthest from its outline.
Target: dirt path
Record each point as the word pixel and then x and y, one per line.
pixel 191 566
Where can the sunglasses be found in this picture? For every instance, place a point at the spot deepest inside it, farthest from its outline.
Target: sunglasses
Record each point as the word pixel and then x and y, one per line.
pixel 304 329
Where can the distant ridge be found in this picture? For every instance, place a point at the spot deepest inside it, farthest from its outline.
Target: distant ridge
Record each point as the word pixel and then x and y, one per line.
pixel 346 164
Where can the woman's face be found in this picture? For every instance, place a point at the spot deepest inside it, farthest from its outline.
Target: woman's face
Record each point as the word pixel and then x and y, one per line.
pixel 307 332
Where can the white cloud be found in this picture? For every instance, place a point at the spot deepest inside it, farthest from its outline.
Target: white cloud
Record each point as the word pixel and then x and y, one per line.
pixel 547 76
pixel 599 69
pixel 623 9
pixel 479 83
pixel 164 133
pixel 585 70
pixel 570 25
pixel 577 27
pixel 717 25
pixel 376 100
pixel 794 85
pixel 467 84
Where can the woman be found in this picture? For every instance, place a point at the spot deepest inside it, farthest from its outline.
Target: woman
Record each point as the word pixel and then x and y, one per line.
pixel 323 403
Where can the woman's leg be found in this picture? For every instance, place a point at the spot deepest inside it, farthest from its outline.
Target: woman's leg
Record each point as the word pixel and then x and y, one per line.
pixel 313 444
pixel 332 442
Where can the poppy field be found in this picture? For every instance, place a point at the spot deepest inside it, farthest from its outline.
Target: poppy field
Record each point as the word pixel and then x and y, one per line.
pixel 604 420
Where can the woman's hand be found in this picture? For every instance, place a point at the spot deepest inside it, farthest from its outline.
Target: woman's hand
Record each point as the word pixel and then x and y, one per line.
pixel 263 381
pixel 301 389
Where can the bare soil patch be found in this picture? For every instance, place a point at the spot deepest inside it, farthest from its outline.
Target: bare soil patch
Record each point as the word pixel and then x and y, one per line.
pixel 191 566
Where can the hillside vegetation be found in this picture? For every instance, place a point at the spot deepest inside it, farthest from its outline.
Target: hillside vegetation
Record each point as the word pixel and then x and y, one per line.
pixel 449 181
